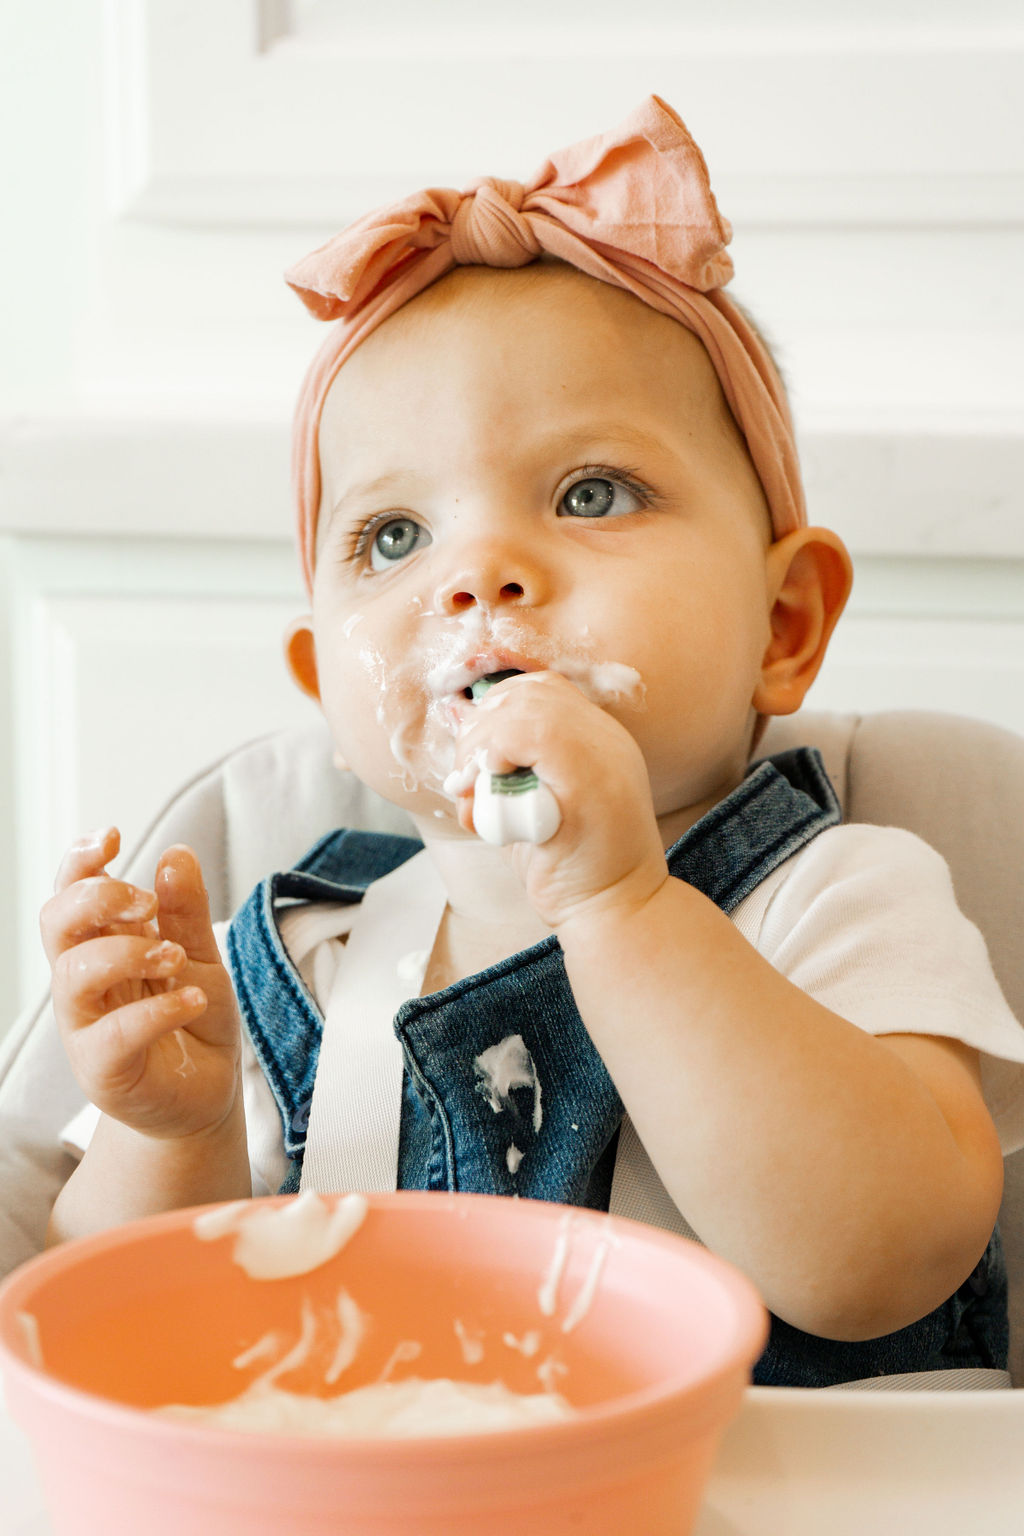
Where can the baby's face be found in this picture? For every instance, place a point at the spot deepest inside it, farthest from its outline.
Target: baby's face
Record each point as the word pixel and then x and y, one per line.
pixel 536 470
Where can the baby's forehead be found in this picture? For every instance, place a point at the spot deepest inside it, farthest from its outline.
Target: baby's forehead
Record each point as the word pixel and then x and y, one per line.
pixel 489 370
pixel 553 289
pixel 596 325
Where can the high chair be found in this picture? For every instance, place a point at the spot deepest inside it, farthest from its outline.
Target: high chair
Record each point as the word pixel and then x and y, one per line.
pixel 957 783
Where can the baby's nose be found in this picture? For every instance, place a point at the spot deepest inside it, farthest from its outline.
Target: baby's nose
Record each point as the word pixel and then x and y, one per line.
pixel 490 577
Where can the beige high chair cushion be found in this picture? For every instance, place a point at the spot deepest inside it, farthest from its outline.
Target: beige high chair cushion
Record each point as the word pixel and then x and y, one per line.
pixel 957 783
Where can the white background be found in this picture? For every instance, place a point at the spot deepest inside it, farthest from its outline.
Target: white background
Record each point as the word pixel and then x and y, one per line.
pixel 164 160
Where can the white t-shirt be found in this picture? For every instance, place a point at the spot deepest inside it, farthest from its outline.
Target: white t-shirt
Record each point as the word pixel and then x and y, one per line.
pixel 863 919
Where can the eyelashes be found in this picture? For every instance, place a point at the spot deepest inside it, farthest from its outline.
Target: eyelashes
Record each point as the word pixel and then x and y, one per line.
pixel 357 541
pixel 626 479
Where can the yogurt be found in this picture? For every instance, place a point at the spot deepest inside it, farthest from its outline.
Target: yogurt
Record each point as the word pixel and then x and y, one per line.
pixel 274 1241
pixel 396 1410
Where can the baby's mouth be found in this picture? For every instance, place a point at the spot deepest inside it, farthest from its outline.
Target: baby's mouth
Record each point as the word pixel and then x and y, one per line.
pixel 477 689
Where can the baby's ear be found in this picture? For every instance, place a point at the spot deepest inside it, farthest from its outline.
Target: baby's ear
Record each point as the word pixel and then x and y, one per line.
pixel 300 655
pixel 809 576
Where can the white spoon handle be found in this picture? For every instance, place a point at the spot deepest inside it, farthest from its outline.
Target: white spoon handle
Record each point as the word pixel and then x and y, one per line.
pixel 514 808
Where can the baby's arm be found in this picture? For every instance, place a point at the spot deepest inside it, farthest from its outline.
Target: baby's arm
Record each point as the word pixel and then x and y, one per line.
pixel 148 1018
pixel 855 1179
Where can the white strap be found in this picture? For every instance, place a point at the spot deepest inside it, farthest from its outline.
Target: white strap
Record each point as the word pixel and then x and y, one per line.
pixel 355 1115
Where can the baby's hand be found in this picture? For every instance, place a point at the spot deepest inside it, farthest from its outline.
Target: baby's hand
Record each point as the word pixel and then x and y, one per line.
pixel 145 1008
pixel 608 847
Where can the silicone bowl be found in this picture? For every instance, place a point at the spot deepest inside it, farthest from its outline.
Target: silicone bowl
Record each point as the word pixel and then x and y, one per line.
pixel 148 1314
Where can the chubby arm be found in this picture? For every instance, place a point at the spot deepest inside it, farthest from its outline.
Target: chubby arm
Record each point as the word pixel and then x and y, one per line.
pixel 855 1179
pixel 148 1018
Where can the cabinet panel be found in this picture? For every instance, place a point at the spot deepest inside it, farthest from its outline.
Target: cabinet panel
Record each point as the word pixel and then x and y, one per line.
pixel 123 695
pixel 253 113
pixel 963 666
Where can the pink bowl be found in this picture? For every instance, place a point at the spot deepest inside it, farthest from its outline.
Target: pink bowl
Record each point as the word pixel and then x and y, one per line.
pixel 147 1314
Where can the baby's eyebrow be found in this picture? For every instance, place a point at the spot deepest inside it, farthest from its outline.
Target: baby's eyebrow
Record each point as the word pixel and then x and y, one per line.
pixel 577 440
pixel 370 490
pixel 580 439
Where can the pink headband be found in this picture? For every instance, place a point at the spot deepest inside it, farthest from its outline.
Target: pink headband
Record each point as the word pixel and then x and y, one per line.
pixel 633 207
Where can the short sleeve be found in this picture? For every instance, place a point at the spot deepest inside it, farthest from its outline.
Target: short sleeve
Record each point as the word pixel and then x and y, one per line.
pixel 865 921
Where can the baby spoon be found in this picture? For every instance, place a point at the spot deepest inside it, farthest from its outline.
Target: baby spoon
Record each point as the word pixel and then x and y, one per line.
pixel 516 807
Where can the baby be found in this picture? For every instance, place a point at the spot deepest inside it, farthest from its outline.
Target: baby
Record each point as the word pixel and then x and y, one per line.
pixel 551 519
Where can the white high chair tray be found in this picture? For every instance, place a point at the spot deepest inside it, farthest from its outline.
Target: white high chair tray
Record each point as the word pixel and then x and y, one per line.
pixel 835 1463
pixel 795 1463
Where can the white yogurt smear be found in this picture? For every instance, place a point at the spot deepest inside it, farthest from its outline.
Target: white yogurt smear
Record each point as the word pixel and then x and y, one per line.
pixel 404 1351
pixel 603 682
pixel 503 1067
pixel 471 1342
pixel 394 1410
pixel 413 967
pixel 548 1373
pixel 29 1325
pixel 352 1332
pixel 585 1295
pixel 274 1242
pixel 186 1066
pixel 414 691
pixel 547 1296
pixel 528 1344
pixel 264 1347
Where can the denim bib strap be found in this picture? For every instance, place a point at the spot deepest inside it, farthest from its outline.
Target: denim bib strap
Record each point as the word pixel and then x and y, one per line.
pixel 516 1098
pixel 783 803
pixel 524 1008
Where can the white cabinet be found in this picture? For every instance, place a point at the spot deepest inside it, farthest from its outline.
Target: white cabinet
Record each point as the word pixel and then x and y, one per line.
pixel 135 664
pixel 921 646
pixel 168 161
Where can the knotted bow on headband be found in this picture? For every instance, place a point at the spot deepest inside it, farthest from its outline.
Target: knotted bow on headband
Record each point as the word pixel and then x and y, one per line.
pixel 632 207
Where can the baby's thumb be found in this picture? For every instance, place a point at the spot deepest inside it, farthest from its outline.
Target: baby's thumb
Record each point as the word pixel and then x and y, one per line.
pixel 183 911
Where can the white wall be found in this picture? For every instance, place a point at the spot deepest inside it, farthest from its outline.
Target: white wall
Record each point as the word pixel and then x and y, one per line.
pixel 166 159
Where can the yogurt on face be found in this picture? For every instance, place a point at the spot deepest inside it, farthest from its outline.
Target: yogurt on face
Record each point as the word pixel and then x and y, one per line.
pixel 414 692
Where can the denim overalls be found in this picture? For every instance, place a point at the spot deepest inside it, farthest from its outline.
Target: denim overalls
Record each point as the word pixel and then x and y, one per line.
pixel 451 1139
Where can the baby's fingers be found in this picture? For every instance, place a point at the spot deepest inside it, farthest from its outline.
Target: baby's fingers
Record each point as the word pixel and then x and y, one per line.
pixel 89 907
pixel 184 910
pixel 88 856
pixel 111 1056
pixel 92 978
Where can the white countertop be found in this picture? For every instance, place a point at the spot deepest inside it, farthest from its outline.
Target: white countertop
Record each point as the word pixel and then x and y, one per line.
pixel 795 1463
pixel 888 490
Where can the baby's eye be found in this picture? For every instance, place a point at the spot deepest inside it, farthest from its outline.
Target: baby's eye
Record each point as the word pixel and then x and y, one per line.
pixel 395 539
pixel 598 497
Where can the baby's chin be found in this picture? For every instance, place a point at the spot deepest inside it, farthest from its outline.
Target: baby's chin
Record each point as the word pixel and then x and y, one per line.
pixel 439 824
pixel 421 799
